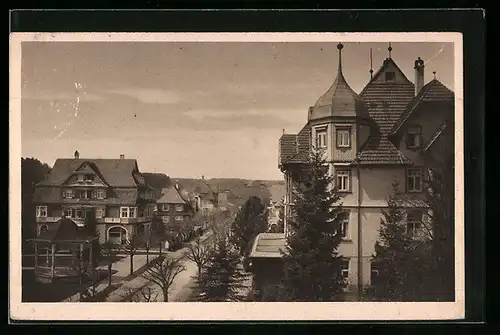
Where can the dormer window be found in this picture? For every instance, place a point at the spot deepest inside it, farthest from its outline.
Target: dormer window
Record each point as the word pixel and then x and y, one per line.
pixel 89 178
pixel 414 137
pixel 80 178
pixel 390 76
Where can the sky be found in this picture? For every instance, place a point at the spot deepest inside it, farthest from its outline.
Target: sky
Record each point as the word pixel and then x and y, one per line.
pixel 190 109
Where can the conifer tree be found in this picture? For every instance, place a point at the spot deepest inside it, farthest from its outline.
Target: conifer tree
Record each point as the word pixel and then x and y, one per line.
pixel 312 265
pixel 402 262
pixel 222 277
pixel 251 220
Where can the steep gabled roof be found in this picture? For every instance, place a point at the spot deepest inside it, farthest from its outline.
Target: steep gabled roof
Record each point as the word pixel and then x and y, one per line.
pixel 171 196
pixel 295 148
pixel 385 64
pixel 433 91
pixel 116 172
pixel 386 103
pixel 434 137
pixel 268 245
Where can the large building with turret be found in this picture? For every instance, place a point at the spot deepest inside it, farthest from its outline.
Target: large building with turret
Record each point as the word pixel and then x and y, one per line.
pixel 387 133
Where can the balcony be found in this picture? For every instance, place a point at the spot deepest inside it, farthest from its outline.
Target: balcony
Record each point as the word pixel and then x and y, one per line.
pixel 48 219
pixel 123 220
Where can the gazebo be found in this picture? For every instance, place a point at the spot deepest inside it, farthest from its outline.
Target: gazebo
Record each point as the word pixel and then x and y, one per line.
pixel 60 250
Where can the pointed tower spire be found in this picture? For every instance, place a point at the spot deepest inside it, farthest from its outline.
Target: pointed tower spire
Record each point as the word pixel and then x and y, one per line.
pixel 371 65
pixel 340 46
pixel 390 49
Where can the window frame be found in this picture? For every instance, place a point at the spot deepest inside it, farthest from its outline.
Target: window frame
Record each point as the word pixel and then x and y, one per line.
pixel 341 172
pixel 321 132
pixel 40 209
pixel 165 218
pixel 410 175
pixel 165 207
pixel 179 208
pixel 344 226
pixel 65 212
pixel 340 130
pixel 141 229
pixel 415 222
pixel 101 194
pixel 416 132
pixel 122 211
pixel 100 210
pixel 345 270
pixel 179 218
pixel 393 76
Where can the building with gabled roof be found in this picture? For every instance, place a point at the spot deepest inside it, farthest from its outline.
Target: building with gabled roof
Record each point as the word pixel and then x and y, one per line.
pixel 174 207
pixel 390 132
pixel 113 189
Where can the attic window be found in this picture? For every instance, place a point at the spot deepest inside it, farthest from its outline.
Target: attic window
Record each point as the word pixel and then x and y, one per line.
pixel 414 137
pixel 390 76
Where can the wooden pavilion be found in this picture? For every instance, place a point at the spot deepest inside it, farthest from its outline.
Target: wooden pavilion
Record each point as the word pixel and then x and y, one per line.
pixel 63 251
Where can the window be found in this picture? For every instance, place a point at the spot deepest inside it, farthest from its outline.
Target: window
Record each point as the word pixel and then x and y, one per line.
pixel 79 178
pixel 68 212
pixel 68 194
pixel 179 218
pixel 165 219
pixel 89 177
pixel 124 212
pixel 99 213
pixel 166 207
pixel 41 211
pixel 43 228
pixel 186 217
pixel 128 212
pixel 414 180
pixel 390 76
pixel 179 208
pixel 343 137
pixel 413 223
pixel 141 229
pixel 321 138
pixel 101 194
pixel 79 213
pixel 342 180
pixel 414 137
pixel 344 225
pixel 345 268
pixel 83 194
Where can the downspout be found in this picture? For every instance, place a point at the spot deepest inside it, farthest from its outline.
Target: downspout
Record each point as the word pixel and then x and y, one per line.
pixel 360 234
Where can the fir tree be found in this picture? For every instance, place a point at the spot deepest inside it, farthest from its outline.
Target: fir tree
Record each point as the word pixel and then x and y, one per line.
pixel 402 262
pixel 222 277
pixel 250 221
pixel 312 265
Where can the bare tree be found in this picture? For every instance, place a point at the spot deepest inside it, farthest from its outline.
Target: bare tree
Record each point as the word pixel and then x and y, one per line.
pixel 198 252
pixel 109 251
pixel 131 248
pixel 144 294
pixel 163 272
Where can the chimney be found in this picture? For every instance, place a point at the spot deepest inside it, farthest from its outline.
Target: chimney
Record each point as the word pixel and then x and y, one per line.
pixel 419 75
pixel 202 177
pixel 77 154
pixel 177 185
pixel 122 156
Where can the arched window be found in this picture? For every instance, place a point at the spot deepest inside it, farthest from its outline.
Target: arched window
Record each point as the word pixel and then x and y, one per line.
pixel 43 228
pixel 141 229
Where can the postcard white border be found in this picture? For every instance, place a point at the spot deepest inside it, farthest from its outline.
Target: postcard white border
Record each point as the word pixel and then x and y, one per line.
pixel 241 310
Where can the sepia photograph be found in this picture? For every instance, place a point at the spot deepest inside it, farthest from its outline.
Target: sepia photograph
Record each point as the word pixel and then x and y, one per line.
pixel 257 169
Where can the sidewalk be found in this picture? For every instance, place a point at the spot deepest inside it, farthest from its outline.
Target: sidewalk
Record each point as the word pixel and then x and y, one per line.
pixel 132 286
